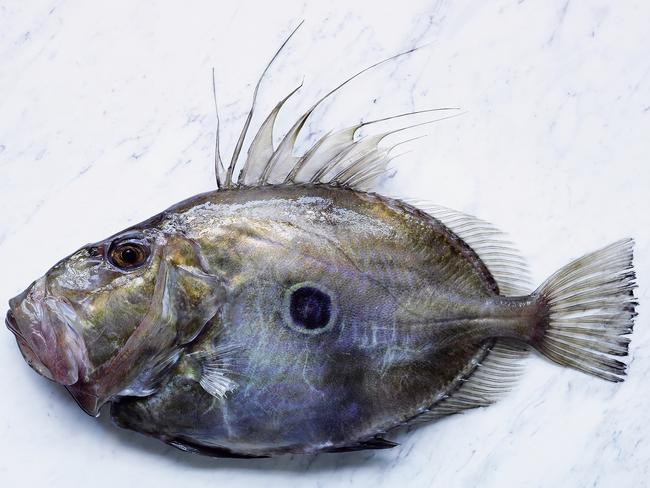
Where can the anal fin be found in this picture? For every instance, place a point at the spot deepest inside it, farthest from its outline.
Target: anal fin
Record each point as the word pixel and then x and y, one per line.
pixel 490 379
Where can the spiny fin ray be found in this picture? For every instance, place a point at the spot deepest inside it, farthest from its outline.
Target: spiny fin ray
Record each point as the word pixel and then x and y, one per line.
pixel 336 159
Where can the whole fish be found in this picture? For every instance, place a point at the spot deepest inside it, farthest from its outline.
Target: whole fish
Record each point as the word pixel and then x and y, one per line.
pixel 293 310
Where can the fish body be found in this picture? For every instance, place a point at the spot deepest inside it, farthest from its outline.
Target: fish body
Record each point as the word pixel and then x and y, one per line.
pixel 295 311
pixel 411 308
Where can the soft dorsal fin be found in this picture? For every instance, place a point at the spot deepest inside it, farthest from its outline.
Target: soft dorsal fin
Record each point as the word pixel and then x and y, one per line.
pixel 502 259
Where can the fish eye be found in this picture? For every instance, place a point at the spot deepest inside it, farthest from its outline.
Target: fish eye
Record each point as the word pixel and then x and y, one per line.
pixel 128 254
pixel 309 308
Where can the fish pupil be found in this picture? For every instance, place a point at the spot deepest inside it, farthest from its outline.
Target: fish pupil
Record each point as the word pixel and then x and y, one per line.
pixel 310 308
pixel 129 255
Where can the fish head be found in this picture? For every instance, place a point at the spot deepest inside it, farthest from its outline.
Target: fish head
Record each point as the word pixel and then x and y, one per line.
pixel 104 318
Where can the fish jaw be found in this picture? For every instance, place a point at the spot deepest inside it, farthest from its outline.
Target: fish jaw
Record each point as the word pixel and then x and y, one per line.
pixel 47 335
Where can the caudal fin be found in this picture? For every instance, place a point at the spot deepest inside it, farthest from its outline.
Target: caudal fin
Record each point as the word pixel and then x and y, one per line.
pixel 588 306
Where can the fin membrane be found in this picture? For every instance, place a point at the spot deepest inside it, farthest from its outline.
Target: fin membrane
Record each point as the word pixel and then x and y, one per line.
pixel 496 370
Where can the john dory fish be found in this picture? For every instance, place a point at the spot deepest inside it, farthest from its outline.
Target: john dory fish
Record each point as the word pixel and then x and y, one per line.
pixel 293 310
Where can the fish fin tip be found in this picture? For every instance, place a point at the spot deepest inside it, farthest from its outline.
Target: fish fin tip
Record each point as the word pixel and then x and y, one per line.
pixel 230 172
pixel 261 148
pixel 587 309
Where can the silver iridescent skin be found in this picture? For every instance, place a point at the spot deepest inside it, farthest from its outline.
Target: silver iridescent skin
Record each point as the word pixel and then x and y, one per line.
pixel 294 311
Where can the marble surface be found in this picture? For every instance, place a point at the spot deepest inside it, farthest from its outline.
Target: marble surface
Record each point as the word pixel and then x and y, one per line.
pixel 107 118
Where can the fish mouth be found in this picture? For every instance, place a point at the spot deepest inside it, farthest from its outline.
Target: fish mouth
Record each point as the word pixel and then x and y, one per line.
pixel 28 354
pixel 46 334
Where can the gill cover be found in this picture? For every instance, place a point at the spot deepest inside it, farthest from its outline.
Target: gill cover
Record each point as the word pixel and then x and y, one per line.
pixel 184 299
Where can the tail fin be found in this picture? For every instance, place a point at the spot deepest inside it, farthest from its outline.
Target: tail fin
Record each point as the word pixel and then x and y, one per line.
pixel 587 307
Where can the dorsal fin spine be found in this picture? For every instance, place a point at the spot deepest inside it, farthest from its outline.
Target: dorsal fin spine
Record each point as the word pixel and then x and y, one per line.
pixel 274 163
pixel 261 149
pixel 249 117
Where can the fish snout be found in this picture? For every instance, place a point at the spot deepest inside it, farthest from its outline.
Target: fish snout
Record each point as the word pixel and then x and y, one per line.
pixel 46 334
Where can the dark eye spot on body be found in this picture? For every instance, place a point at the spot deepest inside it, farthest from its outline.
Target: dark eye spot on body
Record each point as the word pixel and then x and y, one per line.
pixel 309 308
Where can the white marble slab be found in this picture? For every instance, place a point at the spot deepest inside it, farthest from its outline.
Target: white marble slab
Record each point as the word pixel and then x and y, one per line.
pixel 106 118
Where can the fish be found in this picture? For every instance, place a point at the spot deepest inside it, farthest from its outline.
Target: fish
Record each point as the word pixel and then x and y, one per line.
pixel 295 310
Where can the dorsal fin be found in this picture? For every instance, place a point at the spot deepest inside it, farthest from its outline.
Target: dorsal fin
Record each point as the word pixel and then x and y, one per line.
pixel 502 259
pixel 282 161
pixel 337 158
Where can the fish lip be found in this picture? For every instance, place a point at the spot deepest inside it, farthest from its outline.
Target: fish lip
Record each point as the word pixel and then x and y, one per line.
pixel 10 322
pixel 46 336
pixel 26 349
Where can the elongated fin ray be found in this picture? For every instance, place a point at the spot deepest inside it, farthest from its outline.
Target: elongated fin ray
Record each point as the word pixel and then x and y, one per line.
pixel 242 135
pixel 363 160
pixel 286 145
pixel 336 158
pixel 333 144
pixel 218 162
